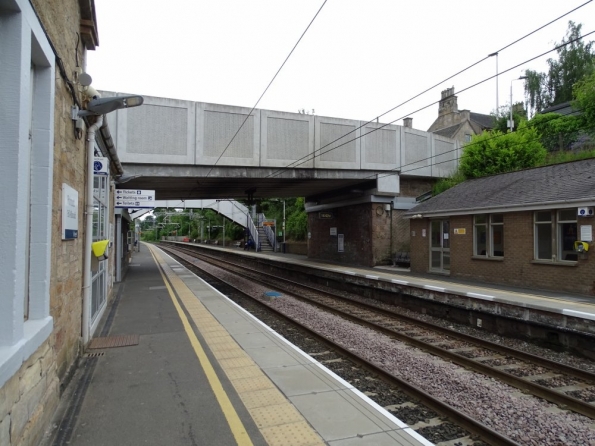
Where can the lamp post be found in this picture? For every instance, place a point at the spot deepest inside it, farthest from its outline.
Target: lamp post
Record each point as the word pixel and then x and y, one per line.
pixel 511 123
pixel 279 199
pixel 497 103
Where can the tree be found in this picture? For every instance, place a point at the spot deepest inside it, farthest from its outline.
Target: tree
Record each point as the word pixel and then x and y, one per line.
pixel 557 132
pixel 503 116
pixel 496 152
pixel 575 61
pixel 297 221
pixel 584 95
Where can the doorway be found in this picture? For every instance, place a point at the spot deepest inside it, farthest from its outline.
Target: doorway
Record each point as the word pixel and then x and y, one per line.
pixel 440 246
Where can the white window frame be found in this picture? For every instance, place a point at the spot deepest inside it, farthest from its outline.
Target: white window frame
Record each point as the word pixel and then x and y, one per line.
pixel 99 284
pixel 26 147
pixel 489 225
pixel 556 224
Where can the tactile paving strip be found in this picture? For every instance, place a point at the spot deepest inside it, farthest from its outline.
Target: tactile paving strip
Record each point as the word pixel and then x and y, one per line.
pixel 280 423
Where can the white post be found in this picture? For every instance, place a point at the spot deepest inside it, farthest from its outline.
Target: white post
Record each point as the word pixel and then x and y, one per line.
pixel 86 317
pixel 511 121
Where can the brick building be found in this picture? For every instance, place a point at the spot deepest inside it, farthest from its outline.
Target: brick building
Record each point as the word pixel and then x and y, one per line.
pixel 365 233
pixel 516 228
pixel 47 311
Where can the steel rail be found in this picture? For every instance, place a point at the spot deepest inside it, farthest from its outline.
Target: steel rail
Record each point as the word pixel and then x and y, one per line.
pixel 459 418
pixel 564 401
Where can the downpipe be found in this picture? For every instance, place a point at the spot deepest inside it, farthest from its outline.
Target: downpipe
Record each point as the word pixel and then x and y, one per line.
pixel 86 317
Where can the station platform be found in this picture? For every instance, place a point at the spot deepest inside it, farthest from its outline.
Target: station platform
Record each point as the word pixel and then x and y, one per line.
pixel 178 363
pixel 558 304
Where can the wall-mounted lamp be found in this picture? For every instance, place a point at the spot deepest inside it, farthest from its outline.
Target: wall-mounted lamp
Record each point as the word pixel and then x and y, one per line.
pixel 581 246
pixel 101 106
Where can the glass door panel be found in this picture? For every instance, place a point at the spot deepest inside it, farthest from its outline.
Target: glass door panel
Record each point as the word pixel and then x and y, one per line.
pixel 440 245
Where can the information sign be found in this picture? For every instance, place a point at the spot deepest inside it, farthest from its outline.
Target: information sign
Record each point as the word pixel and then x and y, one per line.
pixel 133 198
pixel 100 166
pixel 70 207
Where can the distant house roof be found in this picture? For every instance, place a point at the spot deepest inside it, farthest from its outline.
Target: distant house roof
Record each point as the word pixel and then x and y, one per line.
pixel 449 132
pixel 559 185
pixel 565 108
pixel 486 121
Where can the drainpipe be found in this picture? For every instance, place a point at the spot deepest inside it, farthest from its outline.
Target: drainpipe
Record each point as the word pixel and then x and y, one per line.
pixel 89 230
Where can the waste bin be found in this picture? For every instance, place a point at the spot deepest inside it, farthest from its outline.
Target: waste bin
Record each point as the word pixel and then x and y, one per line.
pixel 284 247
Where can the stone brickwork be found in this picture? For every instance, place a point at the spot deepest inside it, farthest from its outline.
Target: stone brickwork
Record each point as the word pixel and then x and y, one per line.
pixel 517 268
pixel 61 20
pixel 29 398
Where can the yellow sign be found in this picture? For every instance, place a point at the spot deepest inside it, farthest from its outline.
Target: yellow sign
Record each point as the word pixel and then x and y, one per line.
pixel 460 231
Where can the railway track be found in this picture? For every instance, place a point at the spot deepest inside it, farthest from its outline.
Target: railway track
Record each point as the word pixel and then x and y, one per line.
pixel 529 373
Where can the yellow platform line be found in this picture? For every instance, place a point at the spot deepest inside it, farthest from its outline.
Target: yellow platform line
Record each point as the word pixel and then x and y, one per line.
pixel 280 423
pixel 237 427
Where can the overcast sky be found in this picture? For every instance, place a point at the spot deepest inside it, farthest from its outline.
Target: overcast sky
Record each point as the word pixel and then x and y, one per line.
pixel 358 60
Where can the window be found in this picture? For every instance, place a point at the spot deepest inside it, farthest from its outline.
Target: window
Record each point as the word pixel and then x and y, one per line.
pixel 27 83
pixel 100 232
pixel 555 234
pixel 488 235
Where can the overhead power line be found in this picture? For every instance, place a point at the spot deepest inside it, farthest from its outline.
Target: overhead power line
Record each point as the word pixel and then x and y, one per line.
pixel 312 156
pixel 309 157
pixel 270 83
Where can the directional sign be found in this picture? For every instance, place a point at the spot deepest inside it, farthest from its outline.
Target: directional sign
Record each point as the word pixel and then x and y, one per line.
pixel 133 198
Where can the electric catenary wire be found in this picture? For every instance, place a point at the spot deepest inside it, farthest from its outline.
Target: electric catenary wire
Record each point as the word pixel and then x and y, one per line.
pixel 469 145
pixel 270 83
pixel 398 169
pixel 309 157
pixel 312 156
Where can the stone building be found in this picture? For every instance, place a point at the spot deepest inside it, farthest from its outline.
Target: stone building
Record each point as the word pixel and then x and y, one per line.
pixel 47 307
pixel 457 124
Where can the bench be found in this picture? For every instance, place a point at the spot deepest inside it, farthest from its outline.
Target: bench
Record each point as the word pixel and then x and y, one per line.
pixel 239 244
pixel 401 258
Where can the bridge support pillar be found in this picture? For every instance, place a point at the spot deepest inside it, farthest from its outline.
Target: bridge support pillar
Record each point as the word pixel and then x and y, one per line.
pixel 365 234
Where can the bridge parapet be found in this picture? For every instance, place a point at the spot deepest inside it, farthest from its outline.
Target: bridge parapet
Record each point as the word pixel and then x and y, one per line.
pixel 177 132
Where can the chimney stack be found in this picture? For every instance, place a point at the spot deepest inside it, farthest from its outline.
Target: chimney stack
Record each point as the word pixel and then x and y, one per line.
pixel 408 122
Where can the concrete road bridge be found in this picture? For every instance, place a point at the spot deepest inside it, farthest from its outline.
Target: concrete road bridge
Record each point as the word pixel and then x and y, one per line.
pixel 181 149
pixel 354 172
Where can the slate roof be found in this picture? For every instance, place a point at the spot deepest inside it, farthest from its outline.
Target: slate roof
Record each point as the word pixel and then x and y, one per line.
pixel 556 186
pixel 564 109
pixel 477 121
pixel 449 132
pixel 486 121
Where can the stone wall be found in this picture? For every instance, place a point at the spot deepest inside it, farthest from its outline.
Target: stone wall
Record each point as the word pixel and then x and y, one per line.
pixel 61 20
pixel 29 398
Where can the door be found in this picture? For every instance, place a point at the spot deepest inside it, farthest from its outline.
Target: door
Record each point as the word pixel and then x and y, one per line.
pixel 440 246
